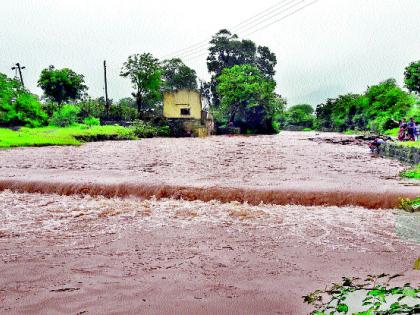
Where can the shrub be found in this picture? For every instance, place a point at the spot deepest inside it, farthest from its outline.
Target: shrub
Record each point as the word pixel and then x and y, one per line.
pixel 18 107
pixel 147 130
pixel 65 116
pixel 91 121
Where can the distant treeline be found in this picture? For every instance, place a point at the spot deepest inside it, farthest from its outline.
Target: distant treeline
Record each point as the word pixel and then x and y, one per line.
pixel 379 108
pixel 241 93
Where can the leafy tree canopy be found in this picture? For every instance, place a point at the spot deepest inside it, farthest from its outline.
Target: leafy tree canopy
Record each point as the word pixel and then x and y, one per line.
pixel 177 75
pixel 378 109
pixel 412 77
pixel 247 98
pixel 18 107
pixel 62 85
pixel 227 50
pixel 145 74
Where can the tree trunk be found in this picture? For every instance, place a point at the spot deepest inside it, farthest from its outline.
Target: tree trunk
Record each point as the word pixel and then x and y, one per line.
pixel 139 101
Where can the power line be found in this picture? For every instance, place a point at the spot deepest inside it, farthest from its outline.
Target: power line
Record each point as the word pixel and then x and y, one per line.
pixel 262 18
pixel 282 18
pixel 265 26
pixel 205 42
pixel 247 25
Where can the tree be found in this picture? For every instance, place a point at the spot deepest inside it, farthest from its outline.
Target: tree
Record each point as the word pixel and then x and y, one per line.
pixel 378 109
pixel 176 75
pixel 62 85
pixel 145 74
pixel 227 50
pixel 18 107
pixel 412 77
pixel 247 98
pixel 300 115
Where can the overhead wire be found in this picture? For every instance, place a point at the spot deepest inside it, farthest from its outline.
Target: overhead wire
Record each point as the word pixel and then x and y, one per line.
pixel 252 19
pixel 246 26
pixel 263 18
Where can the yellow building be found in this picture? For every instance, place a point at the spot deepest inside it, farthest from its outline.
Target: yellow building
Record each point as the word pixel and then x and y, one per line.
pixel 182 104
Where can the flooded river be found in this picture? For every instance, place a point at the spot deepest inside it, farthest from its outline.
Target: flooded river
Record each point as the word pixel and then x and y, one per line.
pixel 282 169
pixel 90 238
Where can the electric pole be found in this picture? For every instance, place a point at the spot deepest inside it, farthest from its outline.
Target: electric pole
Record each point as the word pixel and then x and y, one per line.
pixel 19 68
pixel 106 92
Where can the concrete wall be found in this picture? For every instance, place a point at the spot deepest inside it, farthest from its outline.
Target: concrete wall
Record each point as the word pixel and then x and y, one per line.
pixel 174 101
pixel 401 153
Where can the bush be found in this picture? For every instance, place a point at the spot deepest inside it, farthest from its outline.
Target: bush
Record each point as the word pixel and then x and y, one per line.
pixel 18 107
pixel 65 116
pixel 91 121
pixel 147 130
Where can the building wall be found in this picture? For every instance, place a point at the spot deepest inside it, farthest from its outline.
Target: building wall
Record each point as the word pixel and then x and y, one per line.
pixel 174 101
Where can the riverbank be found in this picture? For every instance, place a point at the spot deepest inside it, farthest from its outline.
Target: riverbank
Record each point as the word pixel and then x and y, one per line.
pixel 53 136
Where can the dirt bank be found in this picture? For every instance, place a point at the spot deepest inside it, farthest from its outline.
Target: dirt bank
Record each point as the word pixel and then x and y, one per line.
pixel 285 168
pixel 86 255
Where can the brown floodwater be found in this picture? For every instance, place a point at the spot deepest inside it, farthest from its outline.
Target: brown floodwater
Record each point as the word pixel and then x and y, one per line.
pixel 96 255
pixel 220 225
pixel 279 169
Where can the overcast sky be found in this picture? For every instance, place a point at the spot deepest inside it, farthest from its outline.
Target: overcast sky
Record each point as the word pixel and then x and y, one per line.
pixel 328 48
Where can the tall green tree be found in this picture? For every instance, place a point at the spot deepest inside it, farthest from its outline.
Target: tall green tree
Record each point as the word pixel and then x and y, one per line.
pixel 145 73
pixel 177 75
pixel 412 77
pixel 227 50
pixel 18 107
pixel 62 85
pixel 378 109
pixel 247 98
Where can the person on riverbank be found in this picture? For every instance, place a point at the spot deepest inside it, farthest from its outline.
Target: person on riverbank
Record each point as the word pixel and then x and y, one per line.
pixel 411 130
pixel 403 130
pixel 375 144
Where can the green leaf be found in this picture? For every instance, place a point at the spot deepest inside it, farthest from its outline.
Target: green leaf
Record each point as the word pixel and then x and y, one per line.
pixel 342 308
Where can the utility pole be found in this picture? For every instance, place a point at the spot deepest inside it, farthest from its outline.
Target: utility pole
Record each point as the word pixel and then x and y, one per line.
pixel 106 92
pixel 19 68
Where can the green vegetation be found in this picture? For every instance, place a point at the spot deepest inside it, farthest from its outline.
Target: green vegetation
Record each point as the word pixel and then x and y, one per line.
pixel 412 77
pixel 410 205
pixel 375 290
pixel 410 144
pixel 62 85
pixel 176 75
pixel 380 108
pixel 299 116
pixel 413 172
pixel 18 106
pixel 226 51
pixel 247 99
pixel 74 135
pixel 65 116
pixel 145 73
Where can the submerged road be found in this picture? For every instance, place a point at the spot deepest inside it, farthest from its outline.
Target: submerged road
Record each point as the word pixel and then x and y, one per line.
pixel 281 169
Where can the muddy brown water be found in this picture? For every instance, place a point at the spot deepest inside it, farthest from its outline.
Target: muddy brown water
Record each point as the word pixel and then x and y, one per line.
pixel 279 169
pixel 191 235
pixel 96 255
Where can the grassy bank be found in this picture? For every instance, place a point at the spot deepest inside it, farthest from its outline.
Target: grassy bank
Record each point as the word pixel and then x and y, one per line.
pixel 75 135
pixel 413 172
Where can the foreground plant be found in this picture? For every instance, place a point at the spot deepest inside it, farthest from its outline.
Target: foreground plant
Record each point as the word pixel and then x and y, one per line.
pixel 410 205
pixel 376 291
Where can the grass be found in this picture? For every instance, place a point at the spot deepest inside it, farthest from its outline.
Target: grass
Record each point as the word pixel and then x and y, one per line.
pixel 413 172
pixel 74 135
pixel 410 144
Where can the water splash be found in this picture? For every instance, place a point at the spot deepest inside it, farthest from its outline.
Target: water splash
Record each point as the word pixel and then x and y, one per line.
pixel 371 200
